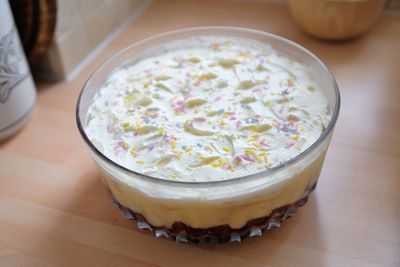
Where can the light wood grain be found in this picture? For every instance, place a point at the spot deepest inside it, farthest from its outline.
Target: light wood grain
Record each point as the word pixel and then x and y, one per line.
pixel 54 210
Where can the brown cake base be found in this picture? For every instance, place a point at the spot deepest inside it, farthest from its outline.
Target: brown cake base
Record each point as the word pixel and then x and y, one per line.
pixel 181 232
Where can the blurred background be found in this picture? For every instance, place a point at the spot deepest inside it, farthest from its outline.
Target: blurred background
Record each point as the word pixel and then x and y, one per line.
pixel 59 35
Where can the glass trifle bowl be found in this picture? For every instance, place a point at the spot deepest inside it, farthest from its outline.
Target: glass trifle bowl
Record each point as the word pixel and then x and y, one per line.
pixel 209 134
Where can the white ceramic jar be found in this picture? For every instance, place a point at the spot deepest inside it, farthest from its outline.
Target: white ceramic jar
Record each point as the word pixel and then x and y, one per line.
pixel 17 90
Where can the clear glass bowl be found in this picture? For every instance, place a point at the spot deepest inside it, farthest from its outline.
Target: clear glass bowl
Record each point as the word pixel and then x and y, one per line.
pixel 217 211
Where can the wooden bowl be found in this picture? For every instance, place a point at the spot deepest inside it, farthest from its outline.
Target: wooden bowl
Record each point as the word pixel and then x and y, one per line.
pixel 335 19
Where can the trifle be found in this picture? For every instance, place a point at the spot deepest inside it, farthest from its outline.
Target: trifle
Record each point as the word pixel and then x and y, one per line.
pixel 209 134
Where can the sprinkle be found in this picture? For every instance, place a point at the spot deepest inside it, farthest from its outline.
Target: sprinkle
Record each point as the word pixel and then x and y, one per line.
pixel 124 145
pixel 110 129
pixel 133 151
pixel 247 158
pixel 290 83
pixel 217 99
pixel 209 148
pixel 269 164
pixel 255 144
pixel 226 149
pixel 161 131
pixel 238 123
pixel 251 120
pixel 292 117
pixel 222 162
pixel 175 177
pixel 289 145
pixel 237 159
pixel 249 151
pixel 262 154
pixel 200 119
pixel 179 156
pixel 296 137
pixel 179 107
pixel 140 161
pixel 216 165
pixel 126 124
pixel 188 149
pixel 207 77
pixel 173 144
pixel 253 137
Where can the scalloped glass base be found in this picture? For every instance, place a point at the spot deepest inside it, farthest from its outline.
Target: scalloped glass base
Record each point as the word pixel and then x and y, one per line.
pixel 181 232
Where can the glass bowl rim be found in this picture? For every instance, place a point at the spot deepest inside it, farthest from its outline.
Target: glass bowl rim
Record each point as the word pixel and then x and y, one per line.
pixel 213 30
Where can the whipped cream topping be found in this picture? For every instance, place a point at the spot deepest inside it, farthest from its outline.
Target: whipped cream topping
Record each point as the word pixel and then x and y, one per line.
pixel 206 109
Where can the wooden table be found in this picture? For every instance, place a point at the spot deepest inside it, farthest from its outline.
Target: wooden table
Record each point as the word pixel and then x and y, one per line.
pixel 54 210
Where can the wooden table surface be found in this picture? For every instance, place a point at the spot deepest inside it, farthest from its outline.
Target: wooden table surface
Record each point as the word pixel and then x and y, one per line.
pixel 54 210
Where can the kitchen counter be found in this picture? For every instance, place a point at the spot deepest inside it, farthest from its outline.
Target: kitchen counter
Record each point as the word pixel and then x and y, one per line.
pixel 54 210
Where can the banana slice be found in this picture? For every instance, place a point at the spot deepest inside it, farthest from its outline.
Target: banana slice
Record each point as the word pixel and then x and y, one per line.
pixel 142 130
pixel 194 60
pixel 144 101
pixel 246 85
pixel 129 99
pixel 260 68
pixel 163 87
pixel 190 128
pixel 258 128
pixel 205 161
pixel 162 78
pixel 165 160
pixel 212 113
pixel 195 102
pixel 207 77
pixel 222 85
pixel 228 63
pixel 248 100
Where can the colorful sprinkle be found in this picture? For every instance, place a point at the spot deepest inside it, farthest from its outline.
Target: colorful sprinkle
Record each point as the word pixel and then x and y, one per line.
pixel 173 144
pixel 226 149
pixel 179 155
pixel 133 151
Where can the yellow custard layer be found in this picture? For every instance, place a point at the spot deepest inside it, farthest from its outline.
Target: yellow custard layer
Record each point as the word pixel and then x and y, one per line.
pixel 209 207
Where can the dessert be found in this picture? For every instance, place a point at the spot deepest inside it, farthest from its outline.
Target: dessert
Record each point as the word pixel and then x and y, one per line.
pixel 207 132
